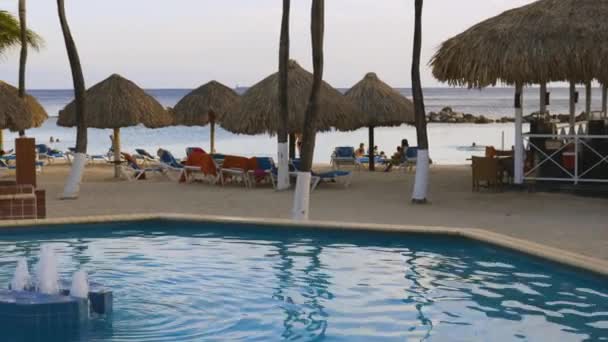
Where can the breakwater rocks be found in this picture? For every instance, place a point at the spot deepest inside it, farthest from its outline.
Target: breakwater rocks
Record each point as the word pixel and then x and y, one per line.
pixel 447 115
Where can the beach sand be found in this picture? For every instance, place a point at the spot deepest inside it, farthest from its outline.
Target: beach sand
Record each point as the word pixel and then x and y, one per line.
pixel 573 223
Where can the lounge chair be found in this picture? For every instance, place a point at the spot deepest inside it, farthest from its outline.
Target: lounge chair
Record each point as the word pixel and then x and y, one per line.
pixel 344 155
pixel 169 164
pixel 236 169
pixel 261 170
pixel 410 158
pixel 144 155
pixel 5 166
pixel 132 171
pixel 90 157
pixel 45 152
pixel 201 166
pixel 329 176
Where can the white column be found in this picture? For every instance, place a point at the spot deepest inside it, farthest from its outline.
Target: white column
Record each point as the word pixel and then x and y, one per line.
pixel 301 197
pixel 72 186
pixel 518 164
pixel 588 101
pixel 283 167
pixel 605 101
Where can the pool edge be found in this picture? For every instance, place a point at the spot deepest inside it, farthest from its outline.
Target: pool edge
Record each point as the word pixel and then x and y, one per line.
pixel 554 254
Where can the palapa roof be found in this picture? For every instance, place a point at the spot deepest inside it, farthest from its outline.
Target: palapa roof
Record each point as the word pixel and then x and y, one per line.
pixel 259 108
pixel 19 114
pixel 117 102
pixel 380 104
pixel 210 98
pixel 548 40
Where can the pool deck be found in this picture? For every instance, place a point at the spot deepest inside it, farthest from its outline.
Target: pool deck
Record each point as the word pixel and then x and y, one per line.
pixel 563 227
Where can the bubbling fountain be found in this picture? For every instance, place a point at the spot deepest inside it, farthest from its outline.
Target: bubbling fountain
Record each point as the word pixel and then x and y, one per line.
pixel 80 285
pixel 48 301
pixel 46 271
pixel 21 280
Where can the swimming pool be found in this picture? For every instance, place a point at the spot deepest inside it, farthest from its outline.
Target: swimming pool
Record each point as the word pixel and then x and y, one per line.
pixel 186 281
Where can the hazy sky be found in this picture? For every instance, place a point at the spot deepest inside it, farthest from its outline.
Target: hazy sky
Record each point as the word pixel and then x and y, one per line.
pixel 184 43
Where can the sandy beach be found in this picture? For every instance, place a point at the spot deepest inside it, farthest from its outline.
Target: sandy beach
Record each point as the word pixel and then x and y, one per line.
pixel 565 221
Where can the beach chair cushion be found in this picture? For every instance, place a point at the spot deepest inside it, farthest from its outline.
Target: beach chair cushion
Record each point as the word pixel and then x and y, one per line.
pixel 236 162
pixel 332 174
pixel 203 160
pixel 167 158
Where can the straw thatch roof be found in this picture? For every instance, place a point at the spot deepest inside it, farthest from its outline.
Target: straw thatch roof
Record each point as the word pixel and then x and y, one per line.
pixel 381 104
pixel 259 110
pixel 211 98
pixel 117 102
pixel 548 40
pixel 18 114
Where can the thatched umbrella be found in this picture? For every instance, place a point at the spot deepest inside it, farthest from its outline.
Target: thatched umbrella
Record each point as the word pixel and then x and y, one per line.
pixel 17 114
pixel 382 106
pixel 207 104
pixel 259 109
pixel 548 40
pixel 114 103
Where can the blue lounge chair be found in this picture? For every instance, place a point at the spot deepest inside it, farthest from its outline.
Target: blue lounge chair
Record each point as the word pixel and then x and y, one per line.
pixel 132 171
pixel 145 155
pixel 329 176
pixel 344 155
pixel 410 158
pixel 265 171
pixel 169 163
pixel 45 152
pixel 4 166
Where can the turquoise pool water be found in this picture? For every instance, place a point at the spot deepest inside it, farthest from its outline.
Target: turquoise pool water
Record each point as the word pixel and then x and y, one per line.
pixel 178 281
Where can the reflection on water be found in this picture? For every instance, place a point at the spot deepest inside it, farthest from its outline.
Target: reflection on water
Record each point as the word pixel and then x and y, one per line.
pixel 180 281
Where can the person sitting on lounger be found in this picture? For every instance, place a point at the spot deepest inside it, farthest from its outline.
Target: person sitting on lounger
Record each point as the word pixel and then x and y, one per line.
pixel 395 159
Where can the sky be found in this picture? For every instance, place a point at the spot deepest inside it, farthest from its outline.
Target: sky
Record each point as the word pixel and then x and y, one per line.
pixel 186 43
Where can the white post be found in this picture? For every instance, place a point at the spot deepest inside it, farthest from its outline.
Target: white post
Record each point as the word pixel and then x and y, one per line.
pixel 72 186
pixel 605 101
pixel 588 101
pixel 519 142
pixel 421 179
pixel 502 140
pixel 301 198
pixel 283 172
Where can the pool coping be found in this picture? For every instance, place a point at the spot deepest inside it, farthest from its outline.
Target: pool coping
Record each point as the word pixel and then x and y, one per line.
pixel 554 254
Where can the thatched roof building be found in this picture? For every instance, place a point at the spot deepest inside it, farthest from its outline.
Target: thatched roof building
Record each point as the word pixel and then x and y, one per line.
pixel 380 104
pixel 212 98
pixel 117 102
pixel 259 109
pixel 17 114
pixel 548 40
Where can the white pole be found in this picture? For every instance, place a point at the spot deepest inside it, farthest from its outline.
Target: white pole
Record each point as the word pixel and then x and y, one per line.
pixel 502 140
pixel 283 172
pixel 519 142
pixel 588 101
pixel 605 100
pixel 72 186
pixel 301 198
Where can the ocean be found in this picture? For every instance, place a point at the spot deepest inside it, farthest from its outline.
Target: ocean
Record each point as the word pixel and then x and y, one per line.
pixel 449 143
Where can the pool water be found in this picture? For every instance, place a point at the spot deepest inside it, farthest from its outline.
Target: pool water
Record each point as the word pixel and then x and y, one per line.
pixel 179 281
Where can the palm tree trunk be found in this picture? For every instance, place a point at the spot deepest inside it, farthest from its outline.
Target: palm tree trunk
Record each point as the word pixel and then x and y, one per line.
pixel 72 185
pixel 309 134
pixel 301 199
pixel 372 158
pixel 23 55
pixel 422 161
pixel 283 148
pixel 212 133
pixel 116 150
